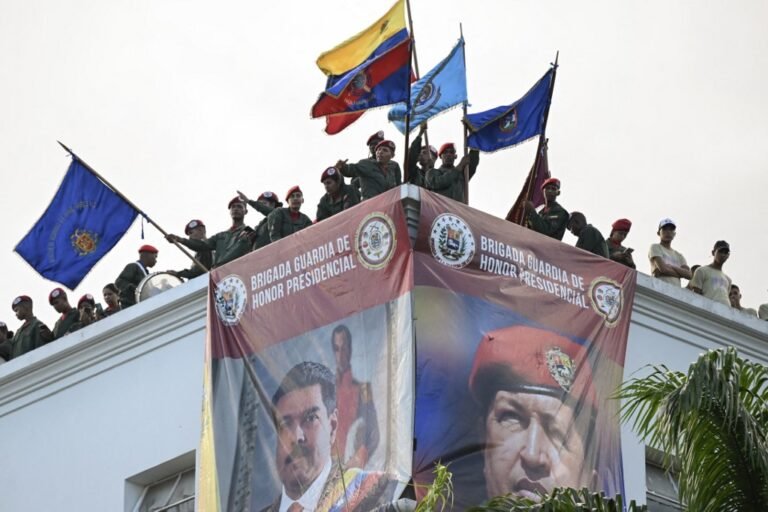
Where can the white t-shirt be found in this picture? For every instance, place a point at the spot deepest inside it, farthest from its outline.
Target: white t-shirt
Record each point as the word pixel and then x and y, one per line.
pixel 668 256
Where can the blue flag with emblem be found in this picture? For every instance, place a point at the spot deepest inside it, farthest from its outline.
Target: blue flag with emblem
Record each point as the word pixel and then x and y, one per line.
pixel 445 86
pixel 83 222
pixel 509 125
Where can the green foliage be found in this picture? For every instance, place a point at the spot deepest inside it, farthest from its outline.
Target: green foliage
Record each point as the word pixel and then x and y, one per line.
pixel 439 493
pixel 560 500
pixel 712 422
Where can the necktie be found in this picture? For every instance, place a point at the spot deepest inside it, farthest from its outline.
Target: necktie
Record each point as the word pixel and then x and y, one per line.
pixel 295 507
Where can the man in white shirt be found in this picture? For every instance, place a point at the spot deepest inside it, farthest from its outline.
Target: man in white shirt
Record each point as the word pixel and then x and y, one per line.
pixel 710 280
pixel 666 263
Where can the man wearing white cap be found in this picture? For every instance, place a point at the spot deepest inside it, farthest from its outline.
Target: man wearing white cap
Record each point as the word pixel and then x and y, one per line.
pixel 666 263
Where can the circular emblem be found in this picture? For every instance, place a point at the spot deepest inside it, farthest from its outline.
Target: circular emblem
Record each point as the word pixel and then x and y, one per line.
pixel 360 82
pixel 508 122
pixel 230 298
pixel 561 367
pixel 84 242
pixel 375 240
pixel 606 297
pixel 428 96
pixel 451 241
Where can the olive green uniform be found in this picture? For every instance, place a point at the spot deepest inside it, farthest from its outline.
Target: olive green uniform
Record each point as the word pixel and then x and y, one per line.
pixel 228 245
pixel 281 224
pixel 28 337
pixel 449 180
pixel 262 229
pixel 204 257
pixel 416 174
pixel 551 221
pixel 373 179
pixel 127 282
pixel 346 198
pixel 590 239
pixel 62 325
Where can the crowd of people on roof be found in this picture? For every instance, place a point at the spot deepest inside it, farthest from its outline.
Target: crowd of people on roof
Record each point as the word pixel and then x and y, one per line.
pixel 370 176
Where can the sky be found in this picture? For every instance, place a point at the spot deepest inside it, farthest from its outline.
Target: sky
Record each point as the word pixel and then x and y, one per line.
pixel 658 111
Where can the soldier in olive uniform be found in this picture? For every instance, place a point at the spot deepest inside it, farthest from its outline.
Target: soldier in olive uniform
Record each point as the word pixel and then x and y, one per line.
pixel 338 195
pixel 616 251
pixel 375 176
pixel 552 219
pixel 284 222
pixel 265 204
pixel 420 160
pixel 448 179
pixel 590 238
pixel 133 273
pixel 33 333
pixel 195 230
pixel 228 245
pixel 372 142
pixel 5 342
pixel 69 315
pixel 86 312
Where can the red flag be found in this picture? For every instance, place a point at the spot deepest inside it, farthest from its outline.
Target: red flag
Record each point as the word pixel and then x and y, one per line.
pixel 532 189
pixel 337 122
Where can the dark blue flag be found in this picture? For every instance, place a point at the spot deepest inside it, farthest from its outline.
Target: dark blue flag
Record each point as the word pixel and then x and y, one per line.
pixel 508 125
pixel 82 224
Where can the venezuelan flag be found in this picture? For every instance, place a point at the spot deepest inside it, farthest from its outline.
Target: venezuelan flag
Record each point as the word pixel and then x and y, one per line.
pixel 354 51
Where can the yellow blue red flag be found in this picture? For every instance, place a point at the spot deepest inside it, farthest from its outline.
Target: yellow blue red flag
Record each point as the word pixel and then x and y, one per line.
pixel 355 50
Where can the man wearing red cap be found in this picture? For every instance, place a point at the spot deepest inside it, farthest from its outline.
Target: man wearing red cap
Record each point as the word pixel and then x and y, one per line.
pixel 420 159
pixel 284 222
pixel 338 195
pixel 552 219
pixel 195 230
pixel 33 333
pixel 86 308
pixel 448 179
pixel 133 273
pixel 537 397
pixel 69 315
pixel 375 176
pixel 227 245
pixel 265 204
pixel 616 251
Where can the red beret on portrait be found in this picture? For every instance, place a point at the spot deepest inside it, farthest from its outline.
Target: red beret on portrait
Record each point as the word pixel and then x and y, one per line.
pixel 148 248
pixel 86 298
pixel 379 135
pixel 622 225
pixel 192 225
pixel 21 298
pixel 330 172
pixel 387 144
pixel 531 360
pixel 446 146
pixel 551 181
pixel 55 294
pixel 291 190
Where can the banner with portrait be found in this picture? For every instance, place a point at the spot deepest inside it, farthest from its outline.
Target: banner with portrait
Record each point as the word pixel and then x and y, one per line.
pixel 308 393
pixel 520 343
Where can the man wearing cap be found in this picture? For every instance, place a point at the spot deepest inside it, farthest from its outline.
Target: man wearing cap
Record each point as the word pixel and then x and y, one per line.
pixel 710 280
pixel 448 179
pixel 133 273
pixel 552 219
pixel 195 230
pixel 420 159
pixel 69 315
pixel 376 176
pixel 338 195
pixel 86 308
pixel 589 238
pixel 535 391
pixel 666 263
pixel 286 221
pixel 265 204
pixel 616 251
pixel 227 245
pixel 33 333
pixel 734 296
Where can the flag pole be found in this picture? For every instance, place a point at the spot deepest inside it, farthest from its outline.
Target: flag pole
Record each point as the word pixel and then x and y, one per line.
pixel 132 205
pixel 542 142
pixel 464 125
pixel 412 61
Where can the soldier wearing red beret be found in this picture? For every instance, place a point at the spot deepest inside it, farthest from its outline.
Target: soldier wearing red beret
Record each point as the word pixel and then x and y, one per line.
pixel 133 273
pixel 69 315
pixel 616 251
pixel 227 245
pixel 266 203
pixel 86 308
pixel 338 195
pixel 33 333
pixel 420 159
pixel 195 230
pixel 553 218
pixel 376 176
pixel 286 221
pixel 538 401
pixel 448 179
